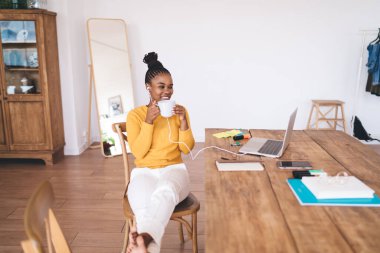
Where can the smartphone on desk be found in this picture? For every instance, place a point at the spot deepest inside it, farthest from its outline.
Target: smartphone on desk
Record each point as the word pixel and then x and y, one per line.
pixel 294 165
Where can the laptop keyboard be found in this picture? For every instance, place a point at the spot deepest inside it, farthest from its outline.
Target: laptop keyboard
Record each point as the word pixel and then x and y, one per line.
pixel 271 147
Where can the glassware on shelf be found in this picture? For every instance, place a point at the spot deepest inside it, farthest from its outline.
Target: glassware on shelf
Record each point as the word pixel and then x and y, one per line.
pixel 24 81
pixel 13 4
pixel 6 4
pixel 37 4
pixel 11 89
pixel 33 60
pixel 25 88
pixel 20 56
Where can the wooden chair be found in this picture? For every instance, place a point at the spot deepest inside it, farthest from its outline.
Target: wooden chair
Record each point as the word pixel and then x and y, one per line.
pixel 188 207
pixel 40 221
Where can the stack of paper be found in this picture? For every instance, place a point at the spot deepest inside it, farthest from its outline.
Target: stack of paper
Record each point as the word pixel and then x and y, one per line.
pixel 337 187
pixel 305 197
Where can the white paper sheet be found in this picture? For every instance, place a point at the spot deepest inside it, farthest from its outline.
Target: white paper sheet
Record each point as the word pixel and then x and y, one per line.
pixel 239 166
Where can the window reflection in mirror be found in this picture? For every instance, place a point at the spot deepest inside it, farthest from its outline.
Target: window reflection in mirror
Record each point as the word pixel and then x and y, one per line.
pixel 111 77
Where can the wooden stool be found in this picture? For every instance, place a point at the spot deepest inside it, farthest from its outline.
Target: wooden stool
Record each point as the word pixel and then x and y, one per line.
pixel 320 116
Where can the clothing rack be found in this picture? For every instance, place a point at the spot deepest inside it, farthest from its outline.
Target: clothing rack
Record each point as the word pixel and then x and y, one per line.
pixel 364 34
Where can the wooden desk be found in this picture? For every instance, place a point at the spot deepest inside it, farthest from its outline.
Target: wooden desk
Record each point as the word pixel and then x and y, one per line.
pixel 257 212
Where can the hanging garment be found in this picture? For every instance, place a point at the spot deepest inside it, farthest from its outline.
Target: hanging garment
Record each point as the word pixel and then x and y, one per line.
pixel 373 82
pixel 373 62
pixel 373 89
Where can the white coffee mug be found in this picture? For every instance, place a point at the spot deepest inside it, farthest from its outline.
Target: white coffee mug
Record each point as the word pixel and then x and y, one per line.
pixel 166 107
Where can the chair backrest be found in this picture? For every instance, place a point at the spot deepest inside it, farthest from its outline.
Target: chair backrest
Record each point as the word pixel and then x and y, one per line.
pixel 121 129
pixel 40 221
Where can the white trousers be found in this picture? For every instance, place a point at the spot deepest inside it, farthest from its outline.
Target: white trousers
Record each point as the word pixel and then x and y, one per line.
pixel 153 195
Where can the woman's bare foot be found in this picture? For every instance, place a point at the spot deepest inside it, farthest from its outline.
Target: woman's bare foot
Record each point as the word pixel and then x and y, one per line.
pixel 132 236
pixel 137 243
pixel 140 246
pixel 132 241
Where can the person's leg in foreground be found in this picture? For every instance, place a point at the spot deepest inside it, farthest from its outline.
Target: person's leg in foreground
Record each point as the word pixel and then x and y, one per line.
pixel 153 195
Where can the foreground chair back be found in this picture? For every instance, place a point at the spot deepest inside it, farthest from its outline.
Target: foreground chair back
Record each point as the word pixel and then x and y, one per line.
pixel 40 223
pixel 188 207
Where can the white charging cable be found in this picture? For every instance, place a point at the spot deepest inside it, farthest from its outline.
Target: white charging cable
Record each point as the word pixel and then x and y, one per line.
pixel 191 153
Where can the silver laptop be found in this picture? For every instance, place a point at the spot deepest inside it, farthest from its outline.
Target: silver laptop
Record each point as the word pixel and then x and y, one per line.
pixel 270 148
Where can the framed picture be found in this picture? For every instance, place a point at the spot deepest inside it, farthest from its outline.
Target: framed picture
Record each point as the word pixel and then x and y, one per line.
pixel 115 106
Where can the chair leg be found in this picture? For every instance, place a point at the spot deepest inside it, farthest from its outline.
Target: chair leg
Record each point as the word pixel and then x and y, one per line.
pixel 195 233
pixel 336 117
pixel 126 237
pixel 344 119
pixel 180 232
pixel 317 112
pixel 48 236
pixel 310 116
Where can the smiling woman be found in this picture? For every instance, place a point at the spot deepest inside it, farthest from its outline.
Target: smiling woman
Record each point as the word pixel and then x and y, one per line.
pixel 160 180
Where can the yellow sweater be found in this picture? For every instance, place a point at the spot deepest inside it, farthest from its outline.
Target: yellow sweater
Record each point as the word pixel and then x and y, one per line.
pixel 150 143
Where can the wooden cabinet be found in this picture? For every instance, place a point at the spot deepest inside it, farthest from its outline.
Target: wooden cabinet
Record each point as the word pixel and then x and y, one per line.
pixel 31 121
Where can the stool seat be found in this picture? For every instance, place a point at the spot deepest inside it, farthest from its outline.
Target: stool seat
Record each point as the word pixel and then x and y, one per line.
pixel 324 115
pixel 327 102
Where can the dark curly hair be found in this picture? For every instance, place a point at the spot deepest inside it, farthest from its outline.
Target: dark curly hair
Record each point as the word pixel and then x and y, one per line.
pixel 155 67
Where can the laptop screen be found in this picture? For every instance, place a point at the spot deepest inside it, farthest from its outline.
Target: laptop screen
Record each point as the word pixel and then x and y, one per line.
pixel 289 130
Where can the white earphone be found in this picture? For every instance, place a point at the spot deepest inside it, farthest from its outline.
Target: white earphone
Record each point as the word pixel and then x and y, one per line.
pixel 150 96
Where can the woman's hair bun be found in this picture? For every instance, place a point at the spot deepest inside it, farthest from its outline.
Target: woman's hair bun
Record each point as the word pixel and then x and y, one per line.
pixel 151 60
pixel 150 57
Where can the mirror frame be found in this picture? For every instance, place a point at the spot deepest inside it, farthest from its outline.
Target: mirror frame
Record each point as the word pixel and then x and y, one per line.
pixel 93 84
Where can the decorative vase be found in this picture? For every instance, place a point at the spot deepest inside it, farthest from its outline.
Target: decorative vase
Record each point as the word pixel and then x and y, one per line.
pixel 24 81
pixel 37 4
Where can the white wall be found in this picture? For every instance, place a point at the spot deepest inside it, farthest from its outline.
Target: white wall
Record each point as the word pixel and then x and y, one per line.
pixel 228 58
pixel 72 41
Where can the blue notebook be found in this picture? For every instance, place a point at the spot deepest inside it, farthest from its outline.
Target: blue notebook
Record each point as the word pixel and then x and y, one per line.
pixel 306 198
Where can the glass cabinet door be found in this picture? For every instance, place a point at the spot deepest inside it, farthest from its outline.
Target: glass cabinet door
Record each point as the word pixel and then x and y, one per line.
pixel 20 57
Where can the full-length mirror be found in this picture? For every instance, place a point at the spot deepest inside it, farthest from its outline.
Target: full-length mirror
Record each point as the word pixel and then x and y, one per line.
pixel 111 75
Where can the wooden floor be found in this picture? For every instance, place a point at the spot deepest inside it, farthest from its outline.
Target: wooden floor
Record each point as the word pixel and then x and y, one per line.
pixel 88 191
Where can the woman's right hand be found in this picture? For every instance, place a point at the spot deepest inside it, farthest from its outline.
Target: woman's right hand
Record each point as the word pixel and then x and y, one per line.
pixel 153 112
